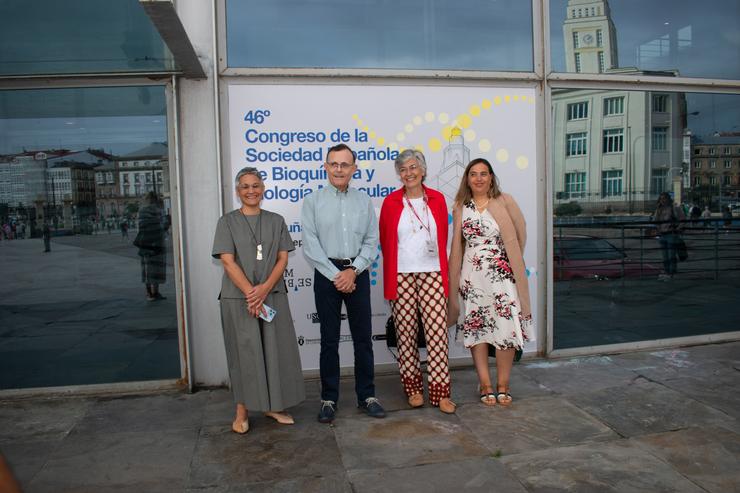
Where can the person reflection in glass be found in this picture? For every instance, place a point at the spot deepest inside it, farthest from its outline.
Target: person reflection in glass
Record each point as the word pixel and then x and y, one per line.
pixel 668 219
pixel 151 243
pixel 262 356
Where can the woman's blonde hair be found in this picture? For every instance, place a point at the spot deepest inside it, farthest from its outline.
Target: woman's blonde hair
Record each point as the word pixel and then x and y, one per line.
pixel 464 194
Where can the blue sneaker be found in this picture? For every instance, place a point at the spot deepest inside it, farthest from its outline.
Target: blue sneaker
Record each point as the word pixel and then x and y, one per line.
pixel 327 411
pixel 372 407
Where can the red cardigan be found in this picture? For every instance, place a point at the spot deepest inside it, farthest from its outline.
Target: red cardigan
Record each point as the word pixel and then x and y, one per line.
pixel 390 215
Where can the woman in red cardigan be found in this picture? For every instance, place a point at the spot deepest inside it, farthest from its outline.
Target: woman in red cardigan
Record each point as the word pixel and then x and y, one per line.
pixel 413 237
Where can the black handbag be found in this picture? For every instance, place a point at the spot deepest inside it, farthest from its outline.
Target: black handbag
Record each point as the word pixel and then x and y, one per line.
pixel 391 337
pixel 681 250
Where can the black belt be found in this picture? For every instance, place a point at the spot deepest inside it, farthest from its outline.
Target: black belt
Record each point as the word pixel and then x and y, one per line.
pixel 342 262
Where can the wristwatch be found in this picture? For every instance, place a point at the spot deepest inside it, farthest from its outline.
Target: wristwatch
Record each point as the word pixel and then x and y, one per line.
pixel 354 269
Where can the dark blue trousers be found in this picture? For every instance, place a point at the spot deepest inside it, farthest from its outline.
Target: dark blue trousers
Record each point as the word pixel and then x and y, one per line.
pixel 329 308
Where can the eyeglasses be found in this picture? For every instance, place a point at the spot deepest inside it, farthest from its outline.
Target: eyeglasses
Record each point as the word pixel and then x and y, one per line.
pixel 408 169
pixel 244 186
pixel 342 166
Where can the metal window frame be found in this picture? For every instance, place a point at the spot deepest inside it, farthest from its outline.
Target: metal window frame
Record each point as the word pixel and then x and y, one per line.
pixel 169 83
pixel 545 80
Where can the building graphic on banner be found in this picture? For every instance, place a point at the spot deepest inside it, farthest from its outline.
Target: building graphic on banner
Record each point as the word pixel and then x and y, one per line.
pixel 456 157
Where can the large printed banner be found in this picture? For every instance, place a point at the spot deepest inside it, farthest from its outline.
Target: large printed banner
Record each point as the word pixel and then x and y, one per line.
pixel 285 131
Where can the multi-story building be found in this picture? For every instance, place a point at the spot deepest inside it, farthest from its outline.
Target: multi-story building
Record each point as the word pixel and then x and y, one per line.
pixel 56 183
pixel 142 171
pixel 715 170
pixel 613 150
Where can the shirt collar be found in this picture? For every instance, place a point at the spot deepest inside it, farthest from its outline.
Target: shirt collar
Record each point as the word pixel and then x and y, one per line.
pixel 335 190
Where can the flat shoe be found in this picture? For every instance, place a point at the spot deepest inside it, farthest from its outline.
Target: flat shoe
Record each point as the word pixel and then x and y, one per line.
pixel 416 400
pixel 487 397
pixel 282 418
pixel 504 398
pixel 447 406
pixel 240 428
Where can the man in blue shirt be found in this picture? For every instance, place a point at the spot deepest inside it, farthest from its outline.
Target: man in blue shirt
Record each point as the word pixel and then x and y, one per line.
pixel 340 238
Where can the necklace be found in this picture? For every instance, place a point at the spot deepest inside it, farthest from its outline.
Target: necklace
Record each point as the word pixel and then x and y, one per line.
pixel 481 208
pixel 257 241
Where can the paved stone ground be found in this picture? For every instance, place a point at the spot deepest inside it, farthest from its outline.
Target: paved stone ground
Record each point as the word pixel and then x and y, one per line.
pixel 657 421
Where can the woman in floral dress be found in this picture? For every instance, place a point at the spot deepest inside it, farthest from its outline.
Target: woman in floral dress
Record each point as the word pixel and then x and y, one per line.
pixel 487 270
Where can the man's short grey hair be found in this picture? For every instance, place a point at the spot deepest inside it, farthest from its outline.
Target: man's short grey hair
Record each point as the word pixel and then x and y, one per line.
pixel 411 154
pixel 249 170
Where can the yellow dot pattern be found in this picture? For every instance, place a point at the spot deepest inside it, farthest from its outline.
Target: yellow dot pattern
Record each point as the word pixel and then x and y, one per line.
pixel 461 125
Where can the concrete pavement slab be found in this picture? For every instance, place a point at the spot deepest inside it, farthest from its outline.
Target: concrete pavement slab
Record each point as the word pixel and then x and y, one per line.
pixel 532 424
pixel 647 407
pixel 718 394
pixel 164 412
pixel 268 452
pixel 709 456
pixel 671 363
pixel 41 419
pixel 117 460
pixel 337 483
pixel 482 474
pixel 577 375
pixel 597 467
pixel 404 438
pixel 28 457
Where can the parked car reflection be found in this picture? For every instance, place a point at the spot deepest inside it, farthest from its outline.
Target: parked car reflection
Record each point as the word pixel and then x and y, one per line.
pixel 589 257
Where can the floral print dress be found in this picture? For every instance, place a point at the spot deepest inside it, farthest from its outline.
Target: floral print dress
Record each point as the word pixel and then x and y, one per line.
pixel 491 308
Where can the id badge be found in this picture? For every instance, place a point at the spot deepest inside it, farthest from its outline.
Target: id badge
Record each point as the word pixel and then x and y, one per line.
pixel 431 248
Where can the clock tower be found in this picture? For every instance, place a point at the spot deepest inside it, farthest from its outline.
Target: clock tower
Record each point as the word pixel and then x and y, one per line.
pixel 590 37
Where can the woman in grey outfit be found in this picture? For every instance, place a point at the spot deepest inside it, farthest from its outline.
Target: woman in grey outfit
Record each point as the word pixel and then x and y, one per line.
pixel 264 364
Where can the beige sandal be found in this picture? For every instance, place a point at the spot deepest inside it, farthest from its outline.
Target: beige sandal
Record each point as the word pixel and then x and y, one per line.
pixel 416 400
pixel 240 427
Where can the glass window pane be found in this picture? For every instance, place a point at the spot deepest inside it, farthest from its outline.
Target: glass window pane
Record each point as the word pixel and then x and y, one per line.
pixel 80 303
pixel 84 36
pixel 415 34
pixel 617 277
pixel 684 38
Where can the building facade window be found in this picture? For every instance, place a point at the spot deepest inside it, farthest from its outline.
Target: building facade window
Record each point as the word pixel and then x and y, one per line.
pixel 697 164
pixel 575 185
pixel 602 65
pixel 727 180
pixel 697 181
pixel 660 138
pixel 713 163
pixel 660 103
pixel 611 183
pixel 576 144
pixel 728 150
pixel 658 181
pixel 578 111
pixel 728 163
pixel 576 43
pixel 613 140
pixel 712 180
pixel 614 106
pixel 599 38
pixel 578 62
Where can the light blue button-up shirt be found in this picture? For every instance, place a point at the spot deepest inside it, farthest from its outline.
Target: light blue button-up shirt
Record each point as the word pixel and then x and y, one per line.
pixel 339 225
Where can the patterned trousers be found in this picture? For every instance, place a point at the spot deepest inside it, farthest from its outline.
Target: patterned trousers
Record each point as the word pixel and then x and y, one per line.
pixel 422 293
